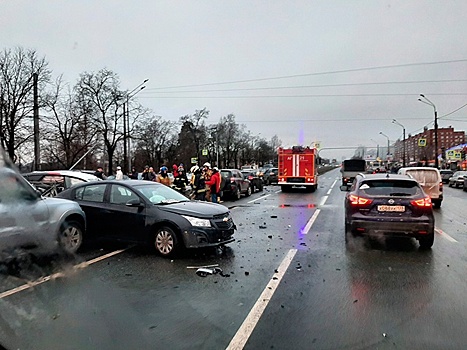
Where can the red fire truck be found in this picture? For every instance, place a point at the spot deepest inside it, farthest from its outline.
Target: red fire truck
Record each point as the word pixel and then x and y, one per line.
pixel 297 167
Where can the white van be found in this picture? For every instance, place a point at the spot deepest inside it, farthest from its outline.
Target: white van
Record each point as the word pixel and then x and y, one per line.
pixel 429 179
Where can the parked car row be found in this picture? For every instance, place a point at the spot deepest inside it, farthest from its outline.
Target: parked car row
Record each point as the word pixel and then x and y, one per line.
pixel 136 211
pixel 457 180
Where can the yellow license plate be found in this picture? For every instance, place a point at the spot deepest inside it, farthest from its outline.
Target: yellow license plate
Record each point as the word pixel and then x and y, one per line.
pixel 396 208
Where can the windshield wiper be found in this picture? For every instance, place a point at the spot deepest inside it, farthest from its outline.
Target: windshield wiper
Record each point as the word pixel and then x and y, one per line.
pixel 172 201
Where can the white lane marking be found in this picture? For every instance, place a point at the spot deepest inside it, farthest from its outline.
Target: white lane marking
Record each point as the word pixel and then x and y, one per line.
pixel 257 199
pixel 334 183
pixel 58 274
pixel 445 235
pixel 310 222
pixel 243 334
pixel 323 201
pixel 278 191
pixel 329 191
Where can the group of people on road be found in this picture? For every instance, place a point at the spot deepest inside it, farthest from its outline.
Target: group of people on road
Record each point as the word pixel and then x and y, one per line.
pixel 205 182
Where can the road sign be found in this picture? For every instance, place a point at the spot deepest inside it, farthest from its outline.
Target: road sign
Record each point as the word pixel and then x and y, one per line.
pixel 204 152
pixel 421 142
pixel 194 160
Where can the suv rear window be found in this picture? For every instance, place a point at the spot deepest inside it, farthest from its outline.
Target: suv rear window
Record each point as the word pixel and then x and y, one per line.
pixel 390 188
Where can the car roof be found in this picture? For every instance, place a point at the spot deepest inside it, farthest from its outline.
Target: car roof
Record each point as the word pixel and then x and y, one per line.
pixel 70 173
pixel 385 176
pixel 129 183
pixel 418 168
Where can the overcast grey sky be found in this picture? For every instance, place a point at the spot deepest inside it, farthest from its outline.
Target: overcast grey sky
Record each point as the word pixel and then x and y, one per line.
pixel 186 43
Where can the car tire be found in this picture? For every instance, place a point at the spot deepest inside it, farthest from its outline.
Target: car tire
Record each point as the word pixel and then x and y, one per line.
pixel 248 192
pixel 166 241
pixel 236 194
pixel 260 188
pixel 427 242
pixel 464 188
pixel 449 184
pixel 252 188
pixel 436 204
pixel 70 236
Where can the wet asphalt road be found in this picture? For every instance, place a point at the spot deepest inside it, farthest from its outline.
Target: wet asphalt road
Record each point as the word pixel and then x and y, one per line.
pixel 369 295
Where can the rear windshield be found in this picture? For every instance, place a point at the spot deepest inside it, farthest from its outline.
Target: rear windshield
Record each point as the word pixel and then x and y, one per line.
pixel 390 188
pixel 424 176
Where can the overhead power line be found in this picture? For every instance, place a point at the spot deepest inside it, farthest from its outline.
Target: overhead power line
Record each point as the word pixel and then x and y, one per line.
pixel 311 86
pixel 313 95
pixel 316 74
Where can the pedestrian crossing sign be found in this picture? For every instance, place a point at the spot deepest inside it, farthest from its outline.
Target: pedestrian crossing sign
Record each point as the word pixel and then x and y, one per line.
pixel 421 142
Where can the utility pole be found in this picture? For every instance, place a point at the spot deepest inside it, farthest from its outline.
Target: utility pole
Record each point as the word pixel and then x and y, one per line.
pixel 125 105
pixel 36 124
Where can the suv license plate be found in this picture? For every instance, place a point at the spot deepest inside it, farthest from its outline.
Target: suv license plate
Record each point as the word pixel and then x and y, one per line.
pixel 396 208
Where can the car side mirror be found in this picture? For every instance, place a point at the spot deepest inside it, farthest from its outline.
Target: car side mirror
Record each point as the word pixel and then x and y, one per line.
pixel 134 203
pixel 344 188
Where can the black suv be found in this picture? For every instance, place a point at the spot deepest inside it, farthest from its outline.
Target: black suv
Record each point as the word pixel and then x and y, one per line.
pixel 256 182
pixel 233 184
pixel 391 205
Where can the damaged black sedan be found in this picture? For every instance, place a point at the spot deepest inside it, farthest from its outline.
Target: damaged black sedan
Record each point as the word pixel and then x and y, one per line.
pixel 151 213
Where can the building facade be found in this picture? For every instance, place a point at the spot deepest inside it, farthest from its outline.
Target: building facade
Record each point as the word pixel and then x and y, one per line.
pixel 421 147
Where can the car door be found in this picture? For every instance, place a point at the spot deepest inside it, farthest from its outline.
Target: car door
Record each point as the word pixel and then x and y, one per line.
pixel 91 200
pixel 244 184
pixel 24 216
pixel 124 221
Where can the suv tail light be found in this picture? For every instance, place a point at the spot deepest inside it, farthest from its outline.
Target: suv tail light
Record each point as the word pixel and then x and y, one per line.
pixel 250 177
pixel 359 201
pixel 422 203
pixel 232 179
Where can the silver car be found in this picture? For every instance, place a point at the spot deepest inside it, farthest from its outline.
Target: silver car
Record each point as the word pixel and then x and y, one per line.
pixel 30 223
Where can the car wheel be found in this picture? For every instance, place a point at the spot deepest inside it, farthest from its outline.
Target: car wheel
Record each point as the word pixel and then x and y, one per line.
pixel 449 184
pixel 70 236
pixel 252 188
pixel 284 188
pixel 165 241
pixel 237 194
pixel 248 192
pixel 464 188
pixel 346 231
pixel 260 188
pixel 427 242
pixel 437 204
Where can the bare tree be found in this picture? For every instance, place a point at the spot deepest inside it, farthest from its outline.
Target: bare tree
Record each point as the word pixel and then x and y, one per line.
pixel 101 90
pixel 154 139
pixel 69 132
pixel 193 133
pixel 17 67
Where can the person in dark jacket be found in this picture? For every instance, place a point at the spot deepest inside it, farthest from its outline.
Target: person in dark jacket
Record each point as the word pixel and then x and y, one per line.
pixel 199 184
pixel 134 174
pixel 180 181
pixel 100 173
pixel 151 174
pixel 145 174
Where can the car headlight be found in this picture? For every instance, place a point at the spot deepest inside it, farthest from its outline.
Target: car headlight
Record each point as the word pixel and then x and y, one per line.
pixel 197 221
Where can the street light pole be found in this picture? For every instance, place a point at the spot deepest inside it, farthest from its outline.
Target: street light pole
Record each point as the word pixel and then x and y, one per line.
pixel 428 102
pixel 403 140
pixel 377 147
pixel 126 124
pixel 387 153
